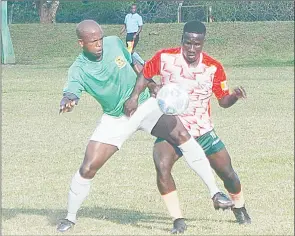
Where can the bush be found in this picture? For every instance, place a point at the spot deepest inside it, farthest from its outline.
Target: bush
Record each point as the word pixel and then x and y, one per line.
pixel 113 12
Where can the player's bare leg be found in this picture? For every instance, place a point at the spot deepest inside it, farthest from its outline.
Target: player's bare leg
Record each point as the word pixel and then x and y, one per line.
pixel 221 163
pixel 171 129
pixel 164 159
pixel 96 156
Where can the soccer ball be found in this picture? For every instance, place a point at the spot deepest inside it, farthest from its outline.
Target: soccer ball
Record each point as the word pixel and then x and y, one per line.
pixel 172 99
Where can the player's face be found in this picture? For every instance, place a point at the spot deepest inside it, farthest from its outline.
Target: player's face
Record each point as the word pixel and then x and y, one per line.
pixel 192 45
pixel 133 9
pixel 92 44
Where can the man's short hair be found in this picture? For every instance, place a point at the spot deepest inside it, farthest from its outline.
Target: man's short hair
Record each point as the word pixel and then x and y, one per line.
pixel 194 27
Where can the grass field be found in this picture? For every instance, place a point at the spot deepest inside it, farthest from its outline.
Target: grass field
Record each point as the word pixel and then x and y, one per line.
pixel 42 150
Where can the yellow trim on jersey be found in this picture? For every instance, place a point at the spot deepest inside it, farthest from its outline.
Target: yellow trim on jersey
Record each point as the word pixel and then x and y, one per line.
pixel 224 85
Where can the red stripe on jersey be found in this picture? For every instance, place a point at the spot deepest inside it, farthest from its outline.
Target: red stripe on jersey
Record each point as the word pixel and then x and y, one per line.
pixel 153 66
pixel 219 76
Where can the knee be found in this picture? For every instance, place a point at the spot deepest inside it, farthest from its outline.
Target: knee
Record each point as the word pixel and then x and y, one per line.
pixel 163 168
pixel 181 136
pixel 87 170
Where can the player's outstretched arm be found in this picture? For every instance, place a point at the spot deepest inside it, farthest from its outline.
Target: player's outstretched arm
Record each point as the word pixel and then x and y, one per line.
pixel 131 104
pixel 137 66
pixel 68 102
pixel 154 88
pixel 231 99
pixel 72 90
pixel 151 69
pixel 152 85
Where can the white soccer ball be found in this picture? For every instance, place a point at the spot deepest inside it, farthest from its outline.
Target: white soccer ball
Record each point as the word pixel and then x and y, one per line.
pixel 172 99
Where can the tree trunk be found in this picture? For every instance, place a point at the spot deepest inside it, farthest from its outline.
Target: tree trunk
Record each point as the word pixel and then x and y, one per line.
pixel 47 10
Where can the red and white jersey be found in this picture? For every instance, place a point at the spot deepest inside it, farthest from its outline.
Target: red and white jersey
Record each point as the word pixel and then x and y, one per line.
pixel 200 82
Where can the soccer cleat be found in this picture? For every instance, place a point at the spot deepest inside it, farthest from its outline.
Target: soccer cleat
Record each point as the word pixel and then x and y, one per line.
pixel 221 201
pixel 241 215
pixel 64 225
pixel 179 226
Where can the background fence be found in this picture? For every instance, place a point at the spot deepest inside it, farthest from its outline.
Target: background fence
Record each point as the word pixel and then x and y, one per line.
pixel 113 12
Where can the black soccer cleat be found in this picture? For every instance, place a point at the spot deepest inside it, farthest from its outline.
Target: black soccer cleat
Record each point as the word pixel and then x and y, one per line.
pixel 241 215
pixel 221 201
pixel 179 226
pixel 65 225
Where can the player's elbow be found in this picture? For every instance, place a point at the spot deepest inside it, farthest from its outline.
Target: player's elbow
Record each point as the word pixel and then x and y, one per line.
pixel 223 103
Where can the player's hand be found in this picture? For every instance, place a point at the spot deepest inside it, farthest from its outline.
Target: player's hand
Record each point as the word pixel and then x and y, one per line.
pixel 240 92
pixel 130 106
pixel 154 89
pixel 66 105
pixel 134 36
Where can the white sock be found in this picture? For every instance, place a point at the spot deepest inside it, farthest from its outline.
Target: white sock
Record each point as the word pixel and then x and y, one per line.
pixel 198 162
pixel 79 190
pixel 238 199
pixel 172 203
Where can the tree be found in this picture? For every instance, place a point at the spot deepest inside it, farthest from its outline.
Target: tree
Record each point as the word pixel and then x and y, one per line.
pixel 47 10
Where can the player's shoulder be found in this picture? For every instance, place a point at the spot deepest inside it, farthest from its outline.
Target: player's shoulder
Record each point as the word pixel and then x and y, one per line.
pixel 169 51
pixel 75 68
pixel 111 39
pixel 112 43
pixel 77 65
pixel 137 15
pixel 209 60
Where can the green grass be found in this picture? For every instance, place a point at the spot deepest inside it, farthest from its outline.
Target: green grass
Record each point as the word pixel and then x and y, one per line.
pixel 42 150
pixel 243 44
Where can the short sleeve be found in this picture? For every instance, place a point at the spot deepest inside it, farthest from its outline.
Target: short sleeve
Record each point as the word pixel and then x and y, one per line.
pixel 220 86
pixel 125 21
pixel 152 67
pixel 74 83
pixel 140 23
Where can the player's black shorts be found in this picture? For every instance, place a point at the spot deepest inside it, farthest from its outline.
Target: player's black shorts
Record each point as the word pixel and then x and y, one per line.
pixel 129 38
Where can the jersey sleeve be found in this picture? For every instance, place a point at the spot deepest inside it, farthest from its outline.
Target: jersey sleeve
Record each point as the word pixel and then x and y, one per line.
pixel 140 23
pixel 153 66
pixel 125 21
pixel 125 51
pixel 74 83
pixel 220 87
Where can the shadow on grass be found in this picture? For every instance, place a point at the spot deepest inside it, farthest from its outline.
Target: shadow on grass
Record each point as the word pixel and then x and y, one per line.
pixel 114 215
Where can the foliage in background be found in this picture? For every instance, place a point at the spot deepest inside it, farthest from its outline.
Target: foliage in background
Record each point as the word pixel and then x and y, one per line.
pixel 113 12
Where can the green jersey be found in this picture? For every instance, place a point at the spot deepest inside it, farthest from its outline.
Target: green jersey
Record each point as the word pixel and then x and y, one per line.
pixel 110 81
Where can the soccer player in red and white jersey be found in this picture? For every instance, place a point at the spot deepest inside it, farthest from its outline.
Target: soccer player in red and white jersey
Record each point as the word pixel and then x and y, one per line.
pixel 202 76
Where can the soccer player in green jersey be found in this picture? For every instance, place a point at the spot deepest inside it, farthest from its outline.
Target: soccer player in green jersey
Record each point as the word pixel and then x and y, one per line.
pixel 105 70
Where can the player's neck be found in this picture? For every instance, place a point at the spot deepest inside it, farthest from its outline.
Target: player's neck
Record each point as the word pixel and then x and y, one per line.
pixel 193 64
pixel 90 57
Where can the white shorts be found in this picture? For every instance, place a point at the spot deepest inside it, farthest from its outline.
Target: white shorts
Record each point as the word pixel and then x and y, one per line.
pixel 116 130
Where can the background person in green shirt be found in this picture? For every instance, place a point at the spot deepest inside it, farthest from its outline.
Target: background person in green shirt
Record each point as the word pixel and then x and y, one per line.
pixel 105 70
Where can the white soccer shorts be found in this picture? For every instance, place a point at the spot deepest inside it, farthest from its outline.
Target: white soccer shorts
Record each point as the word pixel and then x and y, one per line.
pixel 116 130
